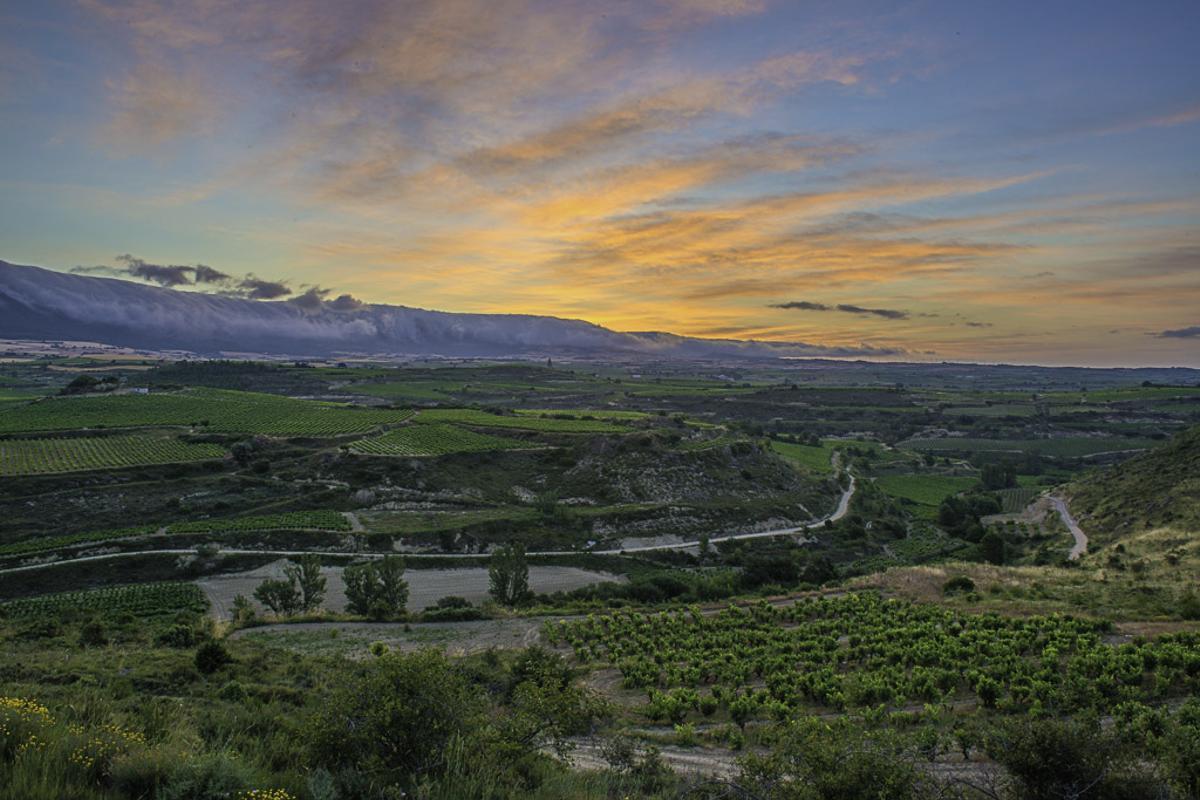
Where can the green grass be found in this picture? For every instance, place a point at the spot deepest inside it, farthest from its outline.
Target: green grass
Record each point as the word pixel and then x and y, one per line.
pixel 433 440
pixel 482 419
pixel 818 459
pixel 79 454
pixel 211 409
pixel 1066 447
pixel 925 490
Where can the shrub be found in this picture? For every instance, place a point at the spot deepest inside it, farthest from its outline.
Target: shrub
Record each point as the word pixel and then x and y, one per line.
pixel 958 584
pixel 211 656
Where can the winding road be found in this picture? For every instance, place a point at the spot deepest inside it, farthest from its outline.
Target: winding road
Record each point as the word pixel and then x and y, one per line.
pixel 1081 540
pixel 840 511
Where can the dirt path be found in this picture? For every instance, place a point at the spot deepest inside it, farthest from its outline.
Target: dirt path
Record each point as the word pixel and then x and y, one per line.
pixel 690 761
pixel 1081 540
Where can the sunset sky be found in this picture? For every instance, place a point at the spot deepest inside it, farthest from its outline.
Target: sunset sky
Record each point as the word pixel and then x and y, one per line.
pixel 994 181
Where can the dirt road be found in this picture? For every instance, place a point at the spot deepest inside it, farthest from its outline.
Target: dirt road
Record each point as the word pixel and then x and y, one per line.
pixel 1081 540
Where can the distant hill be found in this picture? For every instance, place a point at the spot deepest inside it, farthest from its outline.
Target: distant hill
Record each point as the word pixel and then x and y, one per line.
pixel 1159 488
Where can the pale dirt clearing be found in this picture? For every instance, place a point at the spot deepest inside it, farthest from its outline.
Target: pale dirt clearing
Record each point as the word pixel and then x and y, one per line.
pixel 425 586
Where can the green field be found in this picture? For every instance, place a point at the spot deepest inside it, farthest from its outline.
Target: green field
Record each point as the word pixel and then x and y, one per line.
pixel 433 440
pixel 410 390
pixel 211 409
pixel 77 454
pixel 815 458
pixel 482 419
pixel 1065 447
pixel 925 490
pixel 143 600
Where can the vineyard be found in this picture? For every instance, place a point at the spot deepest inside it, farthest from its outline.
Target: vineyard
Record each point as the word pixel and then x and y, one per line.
pixel 323 520
pixel 860 651
pixel 48 456
pixel 142 600
pixel 468 416
pixel 211 409
pixel 432 440
pixel 47 543
pixel 1013 501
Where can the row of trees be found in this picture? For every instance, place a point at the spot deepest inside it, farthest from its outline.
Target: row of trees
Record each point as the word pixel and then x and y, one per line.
pixel 377 588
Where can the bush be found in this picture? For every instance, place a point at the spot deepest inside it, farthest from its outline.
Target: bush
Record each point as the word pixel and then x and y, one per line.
pixel 959 584
pixel 177 636
pixel 399 715
pixel 211 656
pixel 212 776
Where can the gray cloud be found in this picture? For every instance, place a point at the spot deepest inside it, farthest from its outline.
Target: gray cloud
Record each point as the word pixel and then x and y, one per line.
pixel 802 305
pixel 805 305
pixel 203 274
pixel 255 288
pixel 1192 332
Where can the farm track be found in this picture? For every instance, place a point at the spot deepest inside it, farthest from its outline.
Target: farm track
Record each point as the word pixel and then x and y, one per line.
pixel 1081 539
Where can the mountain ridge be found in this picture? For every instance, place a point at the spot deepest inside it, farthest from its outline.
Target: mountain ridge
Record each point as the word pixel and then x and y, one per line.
pixel 40 303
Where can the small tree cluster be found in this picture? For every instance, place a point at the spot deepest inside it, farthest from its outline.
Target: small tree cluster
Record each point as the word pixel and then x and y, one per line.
pixel 377 589
pixel 302 588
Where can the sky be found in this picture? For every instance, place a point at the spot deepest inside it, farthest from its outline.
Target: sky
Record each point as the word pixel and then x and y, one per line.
pixel 1015 181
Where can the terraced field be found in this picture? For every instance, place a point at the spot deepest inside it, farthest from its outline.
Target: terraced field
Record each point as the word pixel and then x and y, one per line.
pixel 583 413
pixel 1065 447
pixel 433 440
pixel 210 409
pixel 78 454
pixel 482 419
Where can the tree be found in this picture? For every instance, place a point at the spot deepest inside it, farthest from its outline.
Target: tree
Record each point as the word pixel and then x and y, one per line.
pixel 281 596
pixel 377 589
pixel 304 573
pixel 992 547
pixel 508 575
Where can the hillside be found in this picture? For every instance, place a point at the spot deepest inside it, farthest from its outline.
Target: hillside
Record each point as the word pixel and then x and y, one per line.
pixel 1159 488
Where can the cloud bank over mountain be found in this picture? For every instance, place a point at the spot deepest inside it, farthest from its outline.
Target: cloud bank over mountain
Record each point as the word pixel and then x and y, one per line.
pixel 41 303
